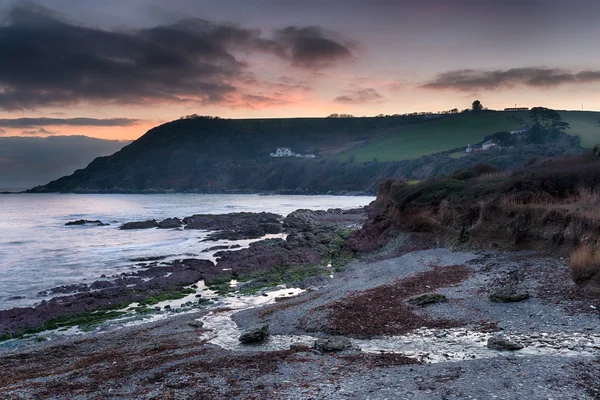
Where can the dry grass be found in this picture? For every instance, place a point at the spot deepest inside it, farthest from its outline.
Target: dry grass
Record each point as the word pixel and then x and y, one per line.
pixel 492 176
pixel 585 264
pixel 583 205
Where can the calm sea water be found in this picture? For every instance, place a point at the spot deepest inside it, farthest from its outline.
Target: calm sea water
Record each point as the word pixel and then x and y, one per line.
pixel 38 252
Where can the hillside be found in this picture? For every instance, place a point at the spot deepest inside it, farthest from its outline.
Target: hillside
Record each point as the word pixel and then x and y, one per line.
pixel 352 154
pixel 458 130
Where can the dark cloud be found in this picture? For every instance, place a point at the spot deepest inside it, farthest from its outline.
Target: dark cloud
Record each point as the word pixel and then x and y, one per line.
pixel 311 47
pixel 360 96
pixel 29 161
pixel 38 131
pixel 473 80
pixel 23 123
pixel 49 61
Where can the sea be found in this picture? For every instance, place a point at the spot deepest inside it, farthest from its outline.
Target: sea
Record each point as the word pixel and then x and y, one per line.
pixel 38 252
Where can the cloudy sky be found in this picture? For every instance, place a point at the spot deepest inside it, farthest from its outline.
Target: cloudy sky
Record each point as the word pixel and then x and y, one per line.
pixel 114 68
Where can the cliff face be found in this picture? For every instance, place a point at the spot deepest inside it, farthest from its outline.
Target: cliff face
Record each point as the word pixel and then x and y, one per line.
pixel 549 207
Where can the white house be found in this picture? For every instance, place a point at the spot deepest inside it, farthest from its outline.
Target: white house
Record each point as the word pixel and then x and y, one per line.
pixel 473 148
pixel 283 152
pixel 287 152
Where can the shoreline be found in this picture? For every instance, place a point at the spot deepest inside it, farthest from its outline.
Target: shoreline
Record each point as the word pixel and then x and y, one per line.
pixel 312 236
pixel 173 358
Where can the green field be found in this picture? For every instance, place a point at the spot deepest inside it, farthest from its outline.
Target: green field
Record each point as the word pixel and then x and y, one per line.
pixel 442 134
pixel 454 131
pixel 584 124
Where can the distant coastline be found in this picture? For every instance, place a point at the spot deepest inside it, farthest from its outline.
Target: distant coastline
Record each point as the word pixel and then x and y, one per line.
pixel 12 190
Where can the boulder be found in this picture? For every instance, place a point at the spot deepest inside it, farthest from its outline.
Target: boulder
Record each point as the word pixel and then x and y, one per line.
pixel 196 324
pixel 170 223
pixel 255 334
pixel 509 294
pixel 86 222
pixel 502 343
pixel 233 221
pixel 140 225
pixel 300 219
pixel 427 298
pixel 333 343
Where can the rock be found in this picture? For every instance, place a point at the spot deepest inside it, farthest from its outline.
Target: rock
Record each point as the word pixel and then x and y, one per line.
pixel 215 248
pixel 139 225
pixel 271 227
pixel 300 346
pixel 311 281
pixel 502 343
pixel 253 232
pixel 170 223
pixel 86 222
pixel 427 298
pixel 255 334
pixel 300 219
pixel 333 343
pixel 508 294
pixel 233 221
pixel 196 324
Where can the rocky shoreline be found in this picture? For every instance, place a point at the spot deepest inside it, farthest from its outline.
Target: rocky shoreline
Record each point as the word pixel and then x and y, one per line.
pixel 309 235
pixel 307 317
pixel 184 356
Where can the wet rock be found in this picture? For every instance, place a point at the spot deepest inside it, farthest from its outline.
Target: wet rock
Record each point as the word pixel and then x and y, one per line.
pixel 502 343
pixel 170 223
pixel 255 334
pixel 509 294
pixel 74 288
pixel 232 221
pixel 427 298
pixel 300 346
pixel 215 248
pixel 86 222
pixel 254 232
pixel 333 343
pixel 196 324
pixel 300 219
pixel 139 225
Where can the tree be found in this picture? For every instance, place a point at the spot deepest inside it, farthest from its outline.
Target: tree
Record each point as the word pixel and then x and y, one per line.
pixel 476 106
pixel 547 124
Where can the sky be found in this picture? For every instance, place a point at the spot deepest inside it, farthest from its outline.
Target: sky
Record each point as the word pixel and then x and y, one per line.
pixel 112 69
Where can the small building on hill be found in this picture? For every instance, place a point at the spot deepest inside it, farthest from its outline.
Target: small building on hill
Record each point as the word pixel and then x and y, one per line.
pixel 287 152
pixel 516 109
pixel 283 152
pixel 485 146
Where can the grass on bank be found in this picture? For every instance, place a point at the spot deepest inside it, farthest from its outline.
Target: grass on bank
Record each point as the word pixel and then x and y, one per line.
pixel 585 263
